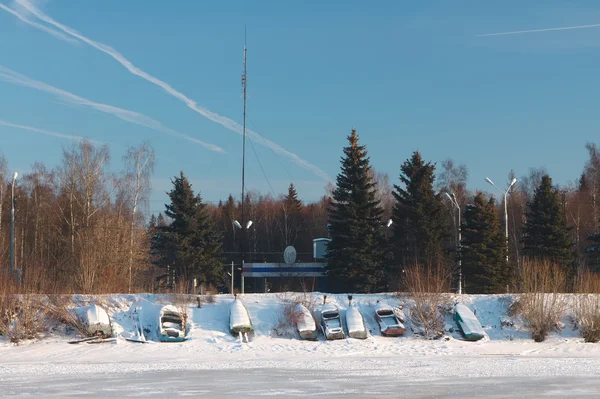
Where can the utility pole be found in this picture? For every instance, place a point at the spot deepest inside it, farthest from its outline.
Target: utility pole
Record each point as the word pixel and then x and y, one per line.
pixel 243 238
pixel 12 228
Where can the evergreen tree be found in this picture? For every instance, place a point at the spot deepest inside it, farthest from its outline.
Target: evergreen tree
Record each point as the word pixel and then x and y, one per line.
pixel 190 246
pixel 483 248
pixel 160 220
pixel 355 253
pixel 593 250
pixel 545 233
pixel 418 223
pixel 152 222
pixel 291 217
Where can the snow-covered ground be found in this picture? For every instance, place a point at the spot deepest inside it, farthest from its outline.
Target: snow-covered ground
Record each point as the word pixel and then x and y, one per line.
pixel 213 363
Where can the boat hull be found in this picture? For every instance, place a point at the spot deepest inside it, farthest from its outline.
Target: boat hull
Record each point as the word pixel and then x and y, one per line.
pixel 468 324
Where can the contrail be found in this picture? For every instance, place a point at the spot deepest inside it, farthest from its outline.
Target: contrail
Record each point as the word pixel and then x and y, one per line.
pixel 54 33
pixel 223 121
pixel 46 132
pixel 10 76
pixel 518 32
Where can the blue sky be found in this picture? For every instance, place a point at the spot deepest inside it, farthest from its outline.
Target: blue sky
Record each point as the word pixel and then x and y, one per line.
pixel 407 75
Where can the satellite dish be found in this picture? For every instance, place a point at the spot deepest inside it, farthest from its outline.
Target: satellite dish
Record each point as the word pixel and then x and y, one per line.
pixel 289 255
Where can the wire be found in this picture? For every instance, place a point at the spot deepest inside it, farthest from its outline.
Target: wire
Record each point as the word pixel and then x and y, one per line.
pixel 273 152
pixel 261 167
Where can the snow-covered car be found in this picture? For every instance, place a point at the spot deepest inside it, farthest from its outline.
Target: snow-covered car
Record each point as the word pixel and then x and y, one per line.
pixel 390 320
pixel 331 323
pixel 171 324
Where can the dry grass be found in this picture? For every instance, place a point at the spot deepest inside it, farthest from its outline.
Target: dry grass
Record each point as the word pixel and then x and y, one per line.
pixel 427 285
pixel 587 305
pixel 289 316
pixel 59 309
pixel 22 314
pixel 541 303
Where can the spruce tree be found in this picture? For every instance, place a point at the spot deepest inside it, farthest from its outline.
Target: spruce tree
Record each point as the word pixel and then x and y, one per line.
pixel 483 248
pixel 190 244
pixel 545 232
pixel 291 217
pixel 418 223
pixel 593 251
pixel 355 253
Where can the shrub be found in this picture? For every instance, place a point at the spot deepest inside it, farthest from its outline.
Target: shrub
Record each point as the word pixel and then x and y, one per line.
pixel 427 285
pixel 541 303
pixel 289 316
pixel 587 305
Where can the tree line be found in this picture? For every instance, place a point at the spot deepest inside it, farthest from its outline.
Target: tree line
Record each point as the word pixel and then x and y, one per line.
pixel 81 228
pixel 549 223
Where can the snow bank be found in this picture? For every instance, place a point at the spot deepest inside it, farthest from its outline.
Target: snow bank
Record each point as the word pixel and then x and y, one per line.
pixel 210 340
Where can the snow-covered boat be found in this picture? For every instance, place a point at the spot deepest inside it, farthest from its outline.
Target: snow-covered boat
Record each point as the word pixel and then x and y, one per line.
pixel 331 323
pixel 239 319
pixel 305 323
pixel 355 324
pixel 390 320
pixel 468 323
pixel 171 324
pixel 96 321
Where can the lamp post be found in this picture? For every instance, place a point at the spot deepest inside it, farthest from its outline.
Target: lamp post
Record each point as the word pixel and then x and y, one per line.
pixel 387 227
pixel 454 202
pixel 244 229
pixel 505 193
pixel 12 227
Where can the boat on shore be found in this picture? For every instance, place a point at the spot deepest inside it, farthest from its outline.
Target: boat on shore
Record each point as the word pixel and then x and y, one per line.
pixel 389 320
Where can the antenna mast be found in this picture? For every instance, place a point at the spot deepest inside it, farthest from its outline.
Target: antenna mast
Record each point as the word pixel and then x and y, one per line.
pixel 244 81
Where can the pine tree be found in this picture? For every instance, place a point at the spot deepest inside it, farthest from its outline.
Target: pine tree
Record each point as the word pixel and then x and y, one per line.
pixel 355 253
pixel 418 223
pixel 190 246
pixel 545 233
pixel 483 248
pixel 291 216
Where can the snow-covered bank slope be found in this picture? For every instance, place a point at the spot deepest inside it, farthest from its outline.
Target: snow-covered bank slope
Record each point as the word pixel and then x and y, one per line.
pixel 211 345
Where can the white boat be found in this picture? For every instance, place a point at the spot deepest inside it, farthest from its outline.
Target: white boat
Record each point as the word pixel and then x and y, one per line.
pixel 305 323
pixel 96 321
pixel 331 323
pixel 171 324
pixel 390 320
pixel 468 323
pixel 239 319
pixel 355 324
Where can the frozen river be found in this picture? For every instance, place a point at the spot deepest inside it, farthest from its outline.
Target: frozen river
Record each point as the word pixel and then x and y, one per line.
pixel 288 381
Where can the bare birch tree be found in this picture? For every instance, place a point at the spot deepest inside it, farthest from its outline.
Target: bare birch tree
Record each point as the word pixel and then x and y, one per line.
pixel 139 166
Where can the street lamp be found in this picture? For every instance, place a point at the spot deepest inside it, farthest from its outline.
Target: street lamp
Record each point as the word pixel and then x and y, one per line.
pixel 239 226
pixel 454 202
pixel 387 227
pixel 12 227
pixel 505 193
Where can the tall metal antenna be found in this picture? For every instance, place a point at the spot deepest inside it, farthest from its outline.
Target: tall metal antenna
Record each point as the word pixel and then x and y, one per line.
pixel 244 83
